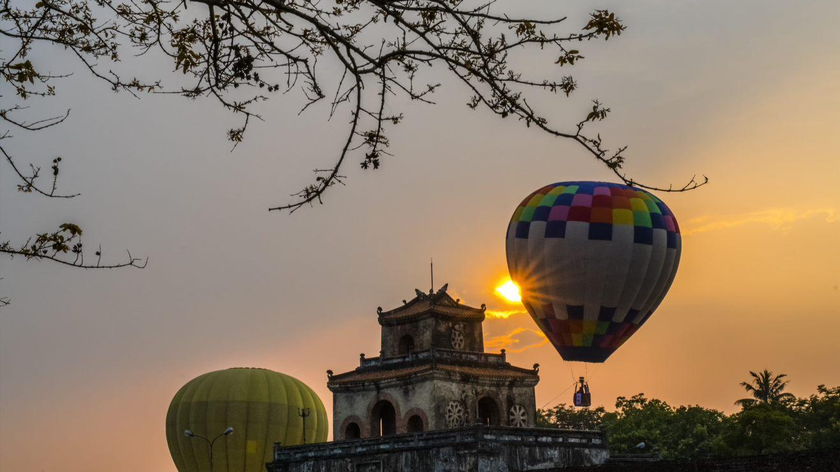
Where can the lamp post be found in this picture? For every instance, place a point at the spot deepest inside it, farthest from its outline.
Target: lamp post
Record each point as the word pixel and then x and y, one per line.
pixel 209 442
pixel 304 413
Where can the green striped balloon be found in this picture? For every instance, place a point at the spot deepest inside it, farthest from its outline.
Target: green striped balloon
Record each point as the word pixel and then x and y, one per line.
pixel 260 405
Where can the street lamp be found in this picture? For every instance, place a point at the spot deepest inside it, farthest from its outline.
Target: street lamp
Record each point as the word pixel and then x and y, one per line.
pixel 210 443
pixel 304 413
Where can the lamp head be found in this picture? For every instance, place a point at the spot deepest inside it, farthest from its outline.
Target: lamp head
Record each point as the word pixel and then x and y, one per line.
pixel 229 431
pixel 188 433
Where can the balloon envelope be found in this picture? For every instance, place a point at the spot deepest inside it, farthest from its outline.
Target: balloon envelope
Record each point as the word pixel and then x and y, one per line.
pixel 260 405
pixel 593 261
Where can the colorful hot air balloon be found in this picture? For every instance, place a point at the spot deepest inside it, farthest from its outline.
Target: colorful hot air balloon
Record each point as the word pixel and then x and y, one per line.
pixel 593 261
pixel 260 405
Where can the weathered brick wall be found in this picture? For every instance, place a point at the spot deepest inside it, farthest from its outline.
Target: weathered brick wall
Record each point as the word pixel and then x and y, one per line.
pixel 429 398
pixel 421 331
pixel 472 331
pixel 406 399
pixel 471 391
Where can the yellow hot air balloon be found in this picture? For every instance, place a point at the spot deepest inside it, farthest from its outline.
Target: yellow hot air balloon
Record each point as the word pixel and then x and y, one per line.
pixel 261 406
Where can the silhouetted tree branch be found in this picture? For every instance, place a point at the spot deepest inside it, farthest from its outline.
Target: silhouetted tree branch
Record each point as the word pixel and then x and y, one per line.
pixel 242 52
pixel 64 246
pixel 73 26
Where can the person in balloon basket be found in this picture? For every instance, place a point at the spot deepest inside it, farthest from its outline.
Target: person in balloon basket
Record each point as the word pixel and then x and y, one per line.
pixel 582 397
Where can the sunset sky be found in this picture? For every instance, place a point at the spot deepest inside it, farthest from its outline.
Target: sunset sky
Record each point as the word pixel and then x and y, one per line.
pixel 745 92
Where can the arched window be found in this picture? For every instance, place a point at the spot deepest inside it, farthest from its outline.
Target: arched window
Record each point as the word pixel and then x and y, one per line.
pixel 406 345
pixel 415 424
pixel 383 419
pixel 352 431
pixel 488 412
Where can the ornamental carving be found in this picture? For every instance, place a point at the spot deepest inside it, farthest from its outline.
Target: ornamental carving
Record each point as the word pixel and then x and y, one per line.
pixel 456 414
pixel 458 341
pixel 518 416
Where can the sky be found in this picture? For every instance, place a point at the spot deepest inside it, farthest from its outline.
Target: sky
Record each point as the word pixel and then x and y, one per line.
pixel 744 92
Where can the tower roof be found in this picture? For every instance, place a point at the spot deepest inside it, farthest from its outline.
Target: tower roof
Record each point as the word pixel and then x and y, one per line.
pixel 505 373
pixel 434 303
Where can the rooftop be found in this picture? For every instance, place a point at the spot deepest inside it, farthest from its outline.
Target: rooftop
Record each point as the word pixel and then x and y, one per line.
pixel 424 364
pixel 438 303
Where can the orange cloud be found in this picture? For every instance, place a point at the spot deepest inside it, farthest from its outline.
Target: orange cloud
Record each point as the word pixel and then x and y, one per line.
pixel 503 314
pixel 518 340
pixel 778 218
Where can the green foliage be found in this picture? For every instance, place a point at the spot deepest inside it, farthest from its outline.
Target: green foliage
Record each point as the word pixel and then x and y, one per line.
pixel 696 432
pixel 66 239
pixel 605 24
pixel 772 422
pixel 818 417
pixel 637 420
pixel 567 417
pixel 762 429
pixel 684 432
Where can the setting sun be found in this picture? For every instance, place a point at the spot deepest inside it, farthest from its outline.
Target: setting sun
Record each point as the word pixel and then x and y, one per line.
pixel 509 291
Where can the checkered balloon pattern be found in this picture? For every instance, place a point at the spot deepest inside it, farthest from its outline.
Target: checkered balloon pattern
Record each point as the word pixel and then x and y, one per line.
pixel 593 261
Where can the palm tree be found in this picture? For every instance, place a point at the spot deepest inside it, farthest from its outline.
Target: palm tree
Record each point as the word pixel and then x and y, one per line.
pixel 765 388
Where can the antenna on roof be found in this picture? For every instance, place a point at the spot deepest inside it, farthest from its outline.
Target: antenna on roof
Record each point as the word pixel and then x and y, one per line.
pixel 432 267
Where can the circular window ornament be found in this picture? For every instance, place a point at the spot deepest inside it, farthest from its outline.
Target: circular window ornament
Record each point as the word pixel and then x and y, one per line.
pixel 518 416
pixel 456 415
pixel 458 339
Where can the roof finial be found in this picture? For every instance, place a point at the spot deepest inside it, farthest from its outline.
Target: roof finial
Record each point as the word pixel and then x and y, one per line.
pixel 432 267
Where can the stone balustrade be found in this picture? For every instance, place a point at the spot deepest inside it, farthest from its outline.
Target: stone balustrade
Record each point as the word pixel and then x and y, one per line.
pixel 451 355
pixel 498 448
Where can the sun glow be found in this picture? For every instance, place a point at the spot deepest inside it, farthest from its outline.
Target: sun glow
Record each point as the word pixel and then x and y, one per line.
pixel 509 291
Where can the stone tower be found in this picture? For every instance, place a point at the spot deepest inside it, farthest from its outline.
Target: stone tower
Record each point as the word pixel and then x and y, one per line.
pixel 432 374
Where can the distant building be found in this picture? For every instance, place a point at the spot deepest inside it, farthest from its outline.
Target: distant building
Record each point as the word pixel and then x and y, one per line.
pixel 434 400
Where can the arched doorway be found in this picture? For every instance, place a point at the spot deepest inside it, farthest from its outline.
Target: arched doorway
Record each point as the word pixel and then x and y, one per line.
pixel 383 419
pixel 406 345
pixel 415 424
pixel 488 412
pixel 352 431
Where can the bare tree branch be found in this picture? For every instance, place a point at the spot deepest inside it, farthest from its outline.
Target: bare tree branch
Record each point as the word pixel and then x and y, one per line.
pixel 239 52
pixel 60 245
